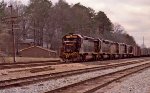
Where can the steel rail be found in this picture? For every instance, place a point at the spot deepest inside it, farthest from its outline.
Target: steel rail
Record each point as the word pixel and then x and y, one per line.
pixel 93 84
pixel 33 79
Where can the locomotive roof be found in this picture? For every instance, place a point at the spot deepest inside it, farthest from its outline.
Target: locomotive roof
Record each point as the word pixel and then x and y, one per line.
pixel 86 37
pixel 74 34
pixel 95 39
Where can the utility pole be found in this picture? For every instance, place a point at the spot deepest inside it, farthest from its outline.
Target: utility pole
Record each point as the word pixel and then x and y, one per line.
pixel 13 34
pixel 143 42
pixel 34 34
pixel 11 20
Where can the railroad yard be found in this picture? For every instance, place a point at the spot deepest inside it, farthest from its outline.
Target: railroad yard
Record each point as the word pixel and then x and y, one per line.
pixel 74 46
pixel 107 76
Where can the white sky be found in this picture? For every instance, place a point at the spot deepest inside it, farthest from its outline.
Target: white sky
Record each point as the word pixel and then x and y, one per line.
pixel 134 15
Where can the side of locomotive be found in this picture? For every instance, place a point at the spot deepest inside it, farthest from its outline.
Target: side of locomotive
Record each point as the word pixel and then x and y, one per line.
pixel 79 48
pixel 123 50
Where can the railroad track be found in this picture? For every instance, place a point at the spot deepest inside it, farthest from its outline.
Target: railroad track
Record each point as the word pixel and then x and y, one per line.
pixel 45 63
pixel 93 84
pixel 33 79
pixel 29 64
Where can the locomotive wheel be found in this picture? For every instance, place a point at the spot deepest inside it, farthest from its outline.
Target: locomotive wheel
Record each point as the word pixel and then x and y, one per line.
pixel 66 60
pixel 111 57
pixel 120 56
pixel 94 57
pixel 82 58
pixel 108 56
pixel 98 57
pixel 102 58
pixel 114 56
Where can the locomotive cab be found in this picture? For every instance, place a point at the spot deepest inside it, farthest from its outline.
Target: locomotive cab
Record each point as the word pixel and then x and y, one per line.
pixel 71 46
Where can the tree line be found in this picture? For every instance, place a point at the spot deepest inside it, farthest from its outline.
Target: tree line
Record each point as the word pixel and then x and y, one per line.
pixel 46 23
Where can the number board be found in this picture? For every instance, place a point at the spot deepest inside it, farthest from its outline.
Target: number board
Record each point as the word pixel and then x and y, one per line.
pixel 71 36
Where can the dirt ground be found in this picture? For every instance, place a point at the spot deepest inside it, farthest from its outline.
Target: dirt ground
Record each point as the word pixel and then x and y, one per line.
pixel 32 71
pixel 24 59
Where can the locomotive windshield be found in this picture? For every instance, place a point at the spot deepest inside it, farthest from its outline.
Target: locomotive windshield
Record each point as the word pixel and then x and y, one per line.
pixel 70 39
pixel 69 48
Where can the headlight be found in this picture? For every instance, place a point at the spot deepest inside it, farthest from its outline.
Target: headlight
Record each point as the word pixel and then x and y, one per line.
pixel 67 50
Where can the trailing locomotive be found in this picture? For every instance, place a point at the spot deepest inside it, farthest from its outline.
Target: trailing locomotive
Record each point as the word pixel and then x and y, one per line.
pixel 82 48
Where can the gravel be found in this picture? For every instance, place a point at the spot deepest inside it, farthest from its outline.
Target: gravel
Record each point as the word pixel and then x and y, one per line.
pixel 136 83
pixel 57 83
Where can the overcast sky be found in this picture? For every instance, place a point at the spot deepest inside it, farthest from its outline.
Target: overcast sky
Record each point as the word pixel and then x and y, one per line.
pixel 134 15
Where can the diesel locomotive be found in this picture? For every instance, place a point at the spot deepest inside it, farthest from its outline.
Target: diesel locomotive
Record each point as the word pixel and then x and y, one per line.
pixel 76 47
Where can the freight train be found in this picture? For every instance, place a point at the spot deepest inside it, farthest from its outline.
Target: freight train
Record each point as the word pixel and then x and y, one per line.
pixel 76 47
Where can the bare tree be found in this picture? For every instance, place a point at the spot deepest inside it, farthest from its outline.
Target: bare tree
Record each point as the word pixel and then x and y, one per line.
pixel 117 28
